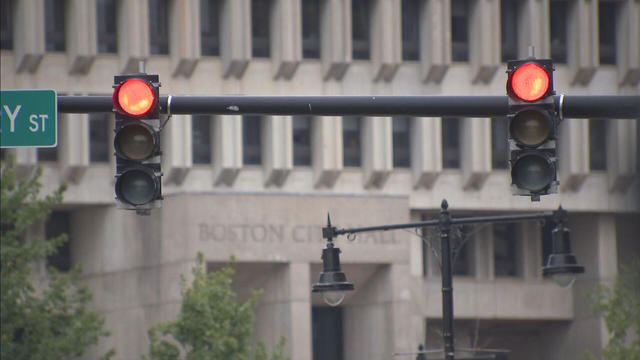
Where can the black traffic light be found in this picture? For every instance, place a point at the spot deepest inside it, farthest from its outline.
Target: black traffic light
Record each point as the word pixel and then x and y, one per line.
pixel 137 142
pixel 533 123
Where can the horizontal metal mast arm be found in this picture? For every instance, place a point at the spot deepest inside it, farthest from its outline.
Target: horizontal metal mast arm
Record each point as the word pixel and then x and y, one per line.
pixel 613 106
pixel 601 106
pixel 454 221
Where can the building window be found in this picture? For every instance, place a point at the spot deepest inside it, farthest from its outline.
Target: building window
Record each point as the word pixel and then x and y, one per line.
pixel 607 31
pixel 201 139
pixel 558 11
pixel 107 31
pixel 302 140
pixel 499 143
pixel 327 332
pixel 401 146
pixel 451 142
pixel 547 240
pixel 351 140
pixel 210 27
pixel 426 247
pixel 59 223
pixel 311 29
pixel 410 29
pixel 48 153
pixel 461 265
pixel 99 137
pixel 260 12
pixel 251 140
pixel 6 24
pixel 598 144
pixel 54 22
pixel 360 29
pixel 504 250
pixel 159 27
pixel 509 26
pixel 460 30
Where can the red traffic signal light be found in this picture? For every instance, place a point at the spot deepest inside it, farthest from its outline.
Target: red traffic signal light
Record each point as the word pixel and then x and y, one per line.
pixel 533 122
pixel 530 81
pixel 134 97
pixel 137 142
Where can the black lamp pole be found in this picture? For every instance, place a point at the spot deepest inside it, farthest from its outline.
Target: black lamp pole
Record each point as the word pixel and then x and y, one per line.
pixel 447 286
pixel 564 263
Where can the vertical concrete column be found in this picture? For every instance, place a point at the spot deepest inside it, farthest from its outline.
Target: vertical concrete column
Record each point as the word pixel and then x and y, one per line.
pixel 300 334
pixel 475 149
pixel 286 37
pixel 184 42
pixel 26 159
pixel 388 309
pixel 435 39
pixel 408 322
pixel 235 36
pixel 177 157
pixel 376 150
pixel 426 151
pixel 573 153
pixel 326 142
pixel 133 33
pixel 386 38
pixel 627 49
pixel 622 164
pixel 370 309
pixel 594 241
pixel 285 309
pixel 29 34
pixel 226 140
pixel 73 150
pixel 277 148
pixel 82 37
pixel 484 45
pixel 335 37
pixel 533 29
pixel 582 42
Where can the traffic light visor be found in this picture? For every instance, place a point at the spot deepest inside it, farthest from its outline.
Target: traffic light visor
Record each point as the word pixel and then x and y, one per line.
pixel 533 172
pixel 530 127
pixel 137 186
pixel 529 82
pixel 135 141
pixel 134 97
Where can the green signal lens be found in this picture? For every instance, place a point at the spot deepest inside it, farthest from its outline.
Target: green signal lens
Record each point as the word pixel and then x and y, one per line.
pixel 135 142
pixel 530 127
pixel 533 172
pixel 137 187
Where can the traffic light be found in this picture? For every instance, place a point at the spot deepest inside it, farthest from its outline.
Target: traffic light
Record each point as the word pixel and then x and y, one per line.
pixel 137 142
pixel 533 123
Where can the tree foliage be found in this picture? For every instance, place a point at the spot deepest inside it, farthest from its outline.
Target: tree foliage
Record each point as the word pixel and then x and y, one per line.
pixel 212 323
pixel 620 308
pixel 50 319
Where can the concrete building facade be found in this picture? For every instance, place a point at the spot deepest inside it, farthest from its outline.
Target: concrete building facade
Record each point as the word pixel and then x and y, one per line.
pixel 260 188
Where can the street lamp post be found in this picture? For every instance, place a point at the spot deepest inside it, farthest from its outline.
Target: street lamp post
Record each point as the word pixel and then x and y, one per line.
pixel 561 265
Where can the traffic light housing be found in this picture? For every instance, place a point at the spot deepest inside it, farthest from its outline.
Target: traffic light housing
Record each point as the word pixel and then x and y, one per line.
pixel 136 103
pixel 533 123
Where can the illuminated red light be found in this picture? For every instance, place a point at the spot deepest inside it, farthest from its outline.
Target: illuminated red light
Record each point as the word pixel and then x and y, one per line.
pixel 134 97
pixel 530 82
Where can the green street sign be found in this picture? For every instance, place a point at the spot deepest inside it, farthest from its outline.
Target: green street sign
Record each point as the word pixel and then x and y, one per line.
pixel 28 118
